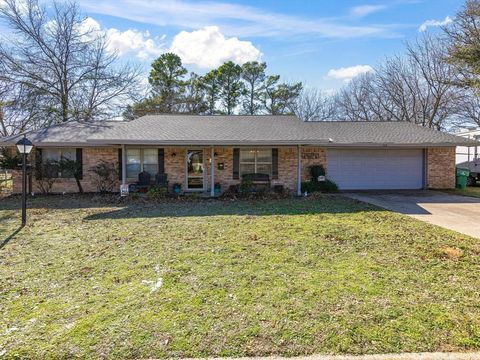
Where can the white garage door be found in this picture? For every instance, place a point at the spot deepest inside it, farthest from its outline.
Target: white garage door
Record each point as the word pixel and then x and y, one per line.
pixel 375 169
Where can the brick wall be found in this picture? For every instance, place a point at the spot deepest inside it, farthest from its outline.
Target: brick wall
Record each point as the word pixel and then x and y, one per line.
pixel 91 157
pixel 287 165
pixel 175 167
pixel 441 168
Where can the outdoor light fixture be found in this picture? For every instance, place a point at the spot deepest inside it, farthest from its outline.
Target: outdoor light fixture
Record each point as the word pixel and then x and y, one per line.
pixel 24 147
pixel 174 155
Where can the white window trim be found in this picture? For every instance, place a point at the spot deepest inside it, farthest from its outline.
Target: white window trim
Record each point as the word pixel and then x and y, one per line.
pixel 141 161
pixel 186 170
pixel 255 160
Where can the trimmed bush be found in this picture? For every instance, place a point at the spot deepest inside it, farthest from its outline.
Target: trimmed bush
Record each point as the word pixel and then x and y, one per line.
pixel 316 171
pixel 326 186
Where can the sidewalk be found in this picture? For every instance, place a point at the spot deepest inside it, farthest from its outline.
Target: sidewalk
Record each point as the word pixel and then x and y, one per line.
pixel 404 356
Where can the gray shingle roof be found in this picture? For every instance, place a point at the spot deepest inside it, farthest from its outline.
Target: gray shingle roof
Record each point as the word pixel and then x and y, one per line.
pixel 242 130
pixel 71 132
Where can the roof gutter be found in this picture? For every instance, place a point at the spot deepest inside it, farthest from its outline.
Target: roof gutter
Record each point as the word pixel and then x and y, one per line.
pixel 320 142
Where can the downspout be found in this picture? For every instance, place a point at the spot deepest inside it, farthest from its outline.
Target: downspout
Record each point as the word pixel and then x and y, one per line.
pixel 124 165
pixel 212 172
pixel 425 168
pixel 299 170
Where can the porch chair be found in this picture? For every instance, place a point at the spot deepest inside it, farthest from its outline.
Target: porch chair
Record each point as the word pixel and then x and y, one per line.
pixel 161 180
pixel 142 184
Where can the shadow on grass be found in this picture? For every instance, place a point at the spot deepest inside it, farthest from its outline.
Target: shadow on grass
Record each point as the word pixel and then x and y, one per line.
pixel 114 207
pixel 10 237
pixel 67 201
pixel 315 206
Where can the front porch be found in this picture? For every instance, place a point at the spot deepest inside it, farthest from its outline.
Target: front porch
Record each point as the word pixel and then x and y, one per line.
pixel 212 170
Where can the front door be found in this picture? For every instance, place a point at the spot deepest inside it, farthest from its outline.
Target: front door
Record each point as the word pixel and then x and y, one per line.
pixel 195 170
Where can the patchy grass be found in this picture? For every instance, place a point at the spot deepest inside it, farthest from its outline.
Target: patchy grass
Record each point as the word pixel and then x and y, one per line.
pixel 92 277
pixel 469 191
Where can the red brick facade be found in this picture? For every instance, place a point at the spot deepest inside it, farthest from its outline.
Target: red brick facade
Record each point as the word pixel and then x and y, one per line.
pixel 91 157
pixel 440 167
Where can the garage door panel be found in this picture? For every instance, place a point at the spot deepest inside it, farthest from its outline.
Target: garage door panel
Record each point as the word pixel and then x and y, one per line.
pixel 375 169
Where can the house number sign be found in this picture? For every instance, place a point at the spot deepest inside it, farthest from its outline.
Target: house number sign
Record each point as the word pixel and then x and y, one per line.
pixel 310 156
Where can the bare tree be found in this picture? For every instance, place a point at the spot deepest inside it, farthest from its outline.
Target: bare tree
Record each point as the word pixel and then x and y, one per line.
pixel 416 88
pixel 438 98
pixel 314 105
pixel 61 64
pixel 469 109
pixel 354 101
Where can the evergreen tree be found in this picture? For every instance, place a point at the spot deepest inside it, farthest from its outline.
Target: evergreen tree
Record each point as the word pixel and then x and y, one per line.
pixel 166 79
pixel 231 86
pixel 211 86
pixel 253 73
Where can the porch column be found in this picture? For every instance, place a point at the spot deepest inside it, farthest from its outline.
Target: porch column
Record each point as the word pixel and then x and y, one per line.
pixel 212 172
pixel 299 170
pixel 124 165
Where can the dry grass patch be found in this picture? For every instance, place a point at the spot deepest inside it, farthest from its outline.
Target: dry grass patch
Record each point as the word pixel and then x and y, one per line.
pixel 451 253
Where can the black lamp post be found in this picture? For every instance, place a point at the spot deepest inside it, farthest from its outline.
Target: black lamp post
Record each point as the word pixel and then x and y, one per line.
pixel 24 146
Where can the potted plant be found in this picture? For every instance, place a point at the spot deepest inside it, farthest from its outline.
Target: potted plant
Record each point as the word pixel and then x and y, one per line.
pixel 177 188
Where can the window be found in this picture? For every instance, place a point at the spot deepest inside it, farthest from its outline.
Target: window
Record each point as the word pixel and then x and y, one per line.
pixel 139 160
pixel 256 161
pixel 55 155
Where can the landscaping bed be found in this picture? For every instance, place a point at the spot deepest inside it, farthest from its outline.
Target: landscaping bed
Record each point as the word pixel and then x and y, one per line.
pixel 103 277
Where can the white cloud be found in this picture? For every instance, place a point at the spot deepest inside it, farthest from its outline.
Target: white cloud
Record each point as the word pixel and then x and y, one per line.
pixel 232 19
pixel 209 48
pixel 364 10
pixel 429 23
pixel 128 42
pixel 133 41
pixel 90 25
pixel 348 73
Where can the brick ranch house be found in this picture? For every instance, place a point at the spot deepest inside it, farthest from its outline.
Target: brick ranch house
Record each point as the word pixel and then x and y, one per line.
pixel 200 151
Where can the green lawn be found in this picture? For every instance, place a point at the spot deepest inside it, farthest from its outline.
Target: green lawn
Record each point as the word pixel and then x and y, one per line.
pixel 469 191
pixel 91 277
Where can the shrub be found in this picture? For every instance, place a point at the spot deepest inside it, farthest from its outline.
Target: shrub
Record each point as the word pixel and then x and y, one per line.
pixel 71 168
pixel 46 174
pixel 326 186
pixel 232 192
pixel 157 192
pixel 105 176
pixel 246 187
pixel 316 171
pixel 10 160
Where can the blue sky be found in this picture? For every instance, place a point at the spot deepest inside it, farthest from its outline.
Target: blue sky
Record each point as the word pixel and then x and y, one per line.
pixel 322 43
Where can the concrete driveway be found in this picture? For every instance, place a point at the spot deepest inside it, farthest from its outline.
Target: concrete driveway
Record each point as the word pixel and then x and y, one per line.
pixel 454 212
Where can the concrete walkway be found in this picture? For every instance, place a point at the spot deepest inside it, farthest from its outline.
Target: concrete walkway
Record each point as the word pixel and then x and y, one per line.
pixel 454 212
pixel 404 356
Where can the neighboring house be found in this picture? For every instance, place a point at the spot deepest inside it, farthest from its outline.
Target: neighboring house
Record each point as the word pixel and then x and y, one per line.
pixel 468 153
pixel 468 157
pixel 199 151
